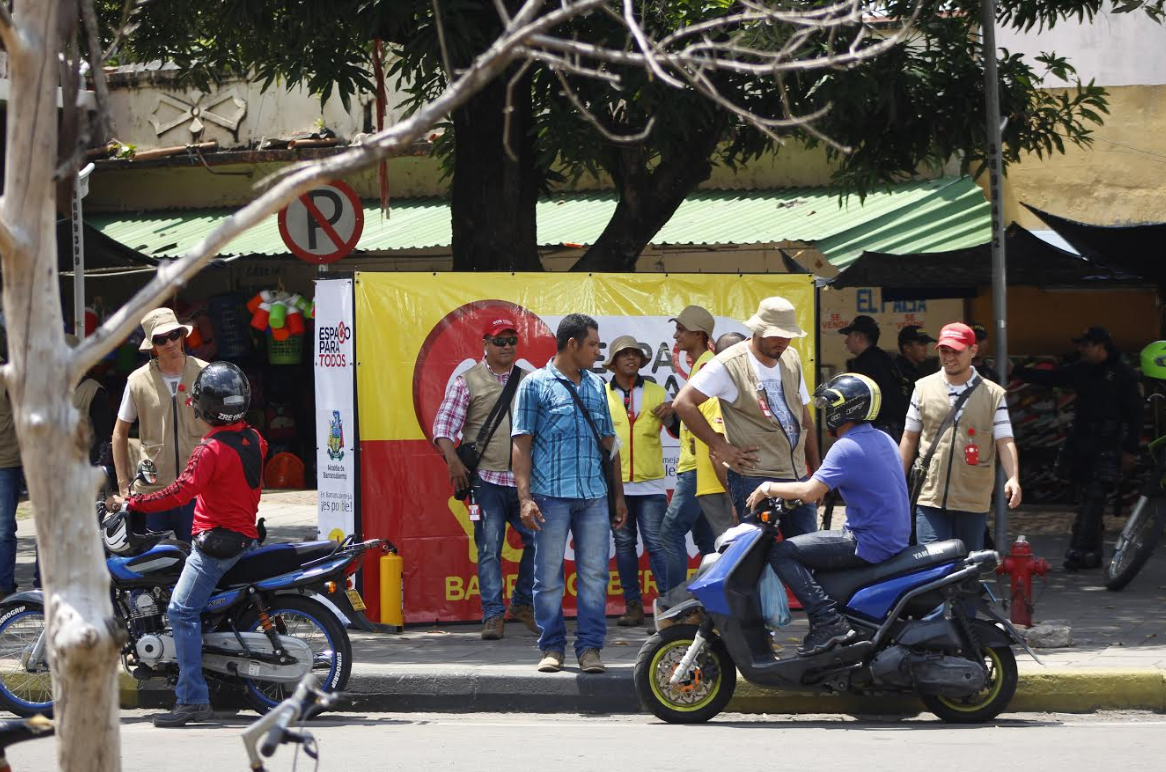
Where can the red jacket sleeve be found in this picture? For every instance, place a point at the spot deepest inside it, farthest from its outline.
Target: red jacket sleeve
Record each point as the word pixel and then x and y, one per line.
pixel 193 480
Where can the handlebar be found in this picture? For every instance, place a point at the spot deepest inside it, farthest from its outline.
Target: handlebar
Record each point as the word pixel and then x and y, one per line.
pixel 305 702
pixel 773 507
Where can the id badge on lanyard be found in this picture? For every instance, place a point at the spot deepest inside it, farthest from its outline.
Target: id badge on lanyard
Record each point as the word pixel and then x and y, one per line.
pixel 763 402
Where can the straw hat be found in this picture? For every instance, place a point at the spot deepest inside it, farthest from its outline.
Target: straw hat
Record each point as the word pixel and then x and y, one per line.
pixel 159 322
pixel 775 317
pixel 623 343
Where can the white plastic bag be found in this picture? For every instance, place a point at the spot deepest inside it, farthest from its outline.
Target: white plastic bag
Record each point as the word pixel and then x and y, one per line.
pixel 774 603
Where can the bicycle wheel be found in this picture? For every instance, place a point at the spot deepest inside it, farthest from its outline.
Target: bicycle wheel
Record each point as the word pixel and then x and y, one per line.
pixel 1137 541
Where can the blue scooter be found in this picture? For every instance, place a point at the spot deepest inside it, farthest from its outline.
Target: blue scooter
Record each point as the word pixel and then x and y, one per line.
pixel 925 628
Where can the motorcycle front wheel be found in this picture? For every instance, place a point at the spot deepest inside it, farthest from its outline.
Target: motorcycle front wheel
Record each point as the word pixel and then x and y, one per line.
pixel 26 688
pixel 987 703
pixel 697 699
pixel 1137 541
pixel 316 625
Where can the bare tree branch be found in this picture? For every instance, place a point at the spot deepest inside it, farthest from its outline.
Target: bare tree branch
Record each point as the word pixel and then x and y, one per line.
pixel 8 239
pixel 124 28
pixel 440 23
pixel 593 119
pixel 93 40
pixel 508 110
pixel 9 32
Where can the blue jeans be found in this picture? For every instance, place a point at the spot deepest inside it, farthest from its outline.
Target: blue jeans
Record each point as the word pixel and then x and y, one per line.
pixel 499 504
pixel 586 520
pixel 934 524
pixel 803 519
pixel 645 514
pixel 179 520
pixel 683 515
pixel 10 480
pixel 195 586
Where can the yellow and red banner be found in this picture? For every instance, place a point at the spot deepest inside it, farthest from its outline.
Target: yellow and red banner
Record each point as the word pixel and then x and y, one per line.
pixel 416 332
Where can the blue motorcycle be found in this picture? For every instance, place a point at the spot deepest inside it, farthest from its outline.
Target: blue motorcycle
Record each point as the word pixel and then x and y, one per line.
pixel 278 614
pixel 925 628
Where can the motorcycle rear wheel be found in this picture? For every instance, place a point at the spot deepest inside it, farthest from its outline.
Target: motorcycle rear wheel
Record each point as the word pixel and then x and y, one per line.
pixel 1145 527
pixel 704 696
pixel 22 692
pixel 987 703
pixel 314 623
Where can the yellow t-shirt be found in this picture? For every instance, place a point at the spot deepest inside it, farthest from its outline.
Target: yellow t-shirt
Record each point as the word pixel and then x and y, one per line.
pixel 687 461
pixel 706 477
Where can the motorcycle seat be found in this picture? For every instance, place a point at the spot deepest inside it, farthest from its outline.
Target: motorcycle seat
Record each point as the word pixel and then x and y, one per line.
pixel 841 585
pixel 275 559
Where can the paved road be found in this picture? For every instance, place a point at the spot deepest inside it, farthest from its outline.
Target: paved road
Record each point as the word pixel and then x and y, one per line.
pixel 492 743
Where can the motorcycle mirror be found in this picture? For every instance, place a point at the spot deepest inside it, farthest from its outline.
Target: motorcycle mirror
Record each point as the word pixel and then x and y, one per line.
pixel 147 472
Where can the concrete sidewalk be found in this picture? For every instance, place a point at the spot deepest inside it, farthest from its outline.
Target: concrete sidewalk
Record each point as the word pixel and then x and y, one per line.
pixel 1118 659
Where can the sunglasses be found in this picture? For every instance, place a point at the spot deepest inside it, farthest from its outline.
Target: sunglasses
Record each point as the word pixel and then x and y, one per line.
pixel 500 342
pixel 161 340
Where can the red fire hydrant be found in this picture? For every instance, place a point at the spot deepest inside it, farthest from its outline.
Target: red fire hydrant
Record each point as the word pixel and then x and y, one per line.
pixel 1020 565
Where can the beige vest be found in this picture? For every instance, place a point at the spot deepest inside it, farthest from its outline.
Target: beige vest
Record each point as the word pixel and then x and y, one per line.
pixel 167 428
pixel 952 483
pixel 746 424
pixel 484 393
pixel 9 447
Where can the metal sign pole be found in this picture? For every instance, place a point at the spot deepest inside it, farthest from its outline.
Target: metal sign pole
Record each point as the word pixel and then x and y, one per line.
pixel 79 192
pixel 999 265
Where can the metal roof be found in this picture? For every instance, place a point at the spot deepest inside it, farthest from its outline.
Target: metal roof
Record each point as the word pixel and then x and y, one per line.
pixel 948 213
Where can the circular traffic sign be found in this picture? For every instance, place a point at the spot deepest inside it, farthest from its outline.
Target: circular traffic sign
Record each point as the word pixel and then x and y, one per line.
pixel 324 224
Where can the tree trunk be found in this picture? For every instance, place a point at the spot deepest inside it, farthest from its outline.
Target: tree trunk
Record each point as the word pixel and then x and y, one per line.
pixel 494 197
pixel 84 639
pixel 649 196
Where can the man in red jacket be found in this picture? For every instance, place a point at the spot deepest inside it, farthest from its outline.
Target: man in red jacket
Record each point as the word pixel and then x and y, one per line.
pixel 225 472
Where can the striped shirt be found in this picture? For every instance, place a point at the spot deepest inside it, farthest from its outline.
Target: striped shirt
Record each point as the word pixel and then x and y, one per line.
pixel 1001 424
pixel 565 461
pixel 451 417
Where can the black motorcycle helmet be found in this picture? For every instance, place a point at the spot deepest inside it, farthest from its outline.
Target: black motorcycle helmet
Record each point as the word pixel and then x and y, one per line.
pixel 221 394
pixel 848 398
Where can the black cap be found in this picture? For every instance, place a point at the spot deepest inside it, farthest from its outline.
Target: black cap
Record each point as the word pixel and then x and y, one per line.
pixel 863 324
pixel 1094 335
pixel 980 331
pixel 913 333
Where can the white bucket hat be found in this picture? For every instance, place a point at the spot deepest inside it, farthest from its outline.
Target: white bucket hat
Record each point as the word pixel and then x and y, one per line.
pixel 775 317
pixel 159 322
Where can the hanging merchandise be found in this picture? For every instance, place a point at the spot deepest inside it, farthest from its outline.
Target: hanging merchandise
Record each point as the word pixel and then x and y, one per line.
pixel 281 315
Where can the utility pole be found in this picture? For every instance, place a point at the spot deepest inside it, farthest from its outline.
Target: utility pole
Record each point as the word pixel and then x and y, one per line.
pixel 994 127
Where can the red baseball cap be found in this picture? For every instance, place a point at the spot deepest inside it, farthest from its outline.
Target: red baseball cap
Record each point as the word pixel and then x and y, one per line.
pixel 956 335
pixel 495 326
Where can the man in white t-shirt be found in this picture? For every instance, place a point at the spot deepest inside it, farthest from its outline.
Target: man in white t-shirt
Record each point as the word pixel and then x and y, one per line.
pixel 157 397
pixel 769 430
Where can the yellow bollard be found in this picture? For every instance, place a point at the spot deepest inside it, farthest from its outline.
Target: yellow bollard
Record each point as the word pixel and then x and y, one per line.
pixel 392 592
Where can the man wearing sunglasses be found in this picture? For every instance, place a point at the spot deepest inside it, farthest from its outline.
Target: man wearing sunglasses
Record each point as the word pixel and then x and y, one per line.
pixel 493 502
pixel 157 396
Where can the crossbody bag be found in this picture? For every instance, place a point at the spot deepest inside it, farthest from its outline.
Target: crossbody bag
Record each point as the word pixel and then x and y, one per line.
pixel 920 468
pixel 470 453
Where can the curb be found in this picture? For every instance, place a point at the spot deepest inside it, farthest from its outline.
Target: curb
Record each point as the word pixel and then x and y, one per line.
pixel 513 689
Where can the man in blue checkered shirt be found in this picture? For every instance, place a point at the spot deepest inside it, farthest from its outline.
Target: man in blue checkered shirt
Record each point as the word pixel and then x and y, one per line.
pixel 562 490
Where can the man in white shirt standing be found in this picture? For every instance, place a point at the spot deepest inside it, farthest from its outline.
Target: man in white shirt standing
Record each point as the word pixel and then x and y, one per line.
pixel 956 495
pixel 769 431
pixel 157 396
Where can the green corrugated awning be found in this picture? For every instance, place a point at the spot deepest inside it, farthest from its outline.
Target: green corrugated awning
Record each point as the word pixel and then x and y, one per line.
pixel 948 213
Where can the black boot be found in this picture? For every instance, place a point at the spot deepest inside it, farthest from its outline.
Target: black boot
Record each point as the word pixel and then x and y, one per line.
pixel 826 636
pixel 184 714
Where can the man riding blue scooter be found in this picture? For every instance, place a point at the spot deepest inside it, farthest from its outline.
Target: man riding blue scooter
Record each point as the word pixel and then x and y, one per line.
pixel 864 466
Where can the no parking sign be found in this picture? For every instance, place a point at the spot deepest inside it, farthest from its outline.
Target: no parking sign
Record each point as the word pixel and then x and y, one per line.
pixel 323 224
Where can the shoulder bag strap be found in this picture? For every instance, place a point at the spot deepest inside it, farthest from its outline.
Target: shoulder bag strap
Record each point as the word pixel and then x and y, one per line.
pixel 949 419
pixel 486 433
pixel 586 415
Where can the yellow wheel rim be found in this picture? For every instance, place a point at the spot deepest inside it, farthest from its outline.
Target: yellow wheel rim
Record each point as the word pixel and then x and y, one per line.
pixel 985 696
pixel 702 688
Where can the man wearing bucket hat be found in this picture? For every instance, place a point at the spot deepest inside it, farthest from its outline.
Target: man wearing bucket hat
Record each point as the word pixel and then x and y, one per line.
pixel 639 410
pixel 769 432
pixel 957 424
pixel 157 396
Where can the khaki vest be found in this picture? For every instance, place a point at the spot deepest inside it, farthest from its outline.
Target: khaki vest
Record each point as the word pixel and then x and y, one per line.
pixel 951 482
pixel 484 393
pixel 641 455
pixel 167 428
pixel 9 447
pixel 687 461
pixel 746 425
